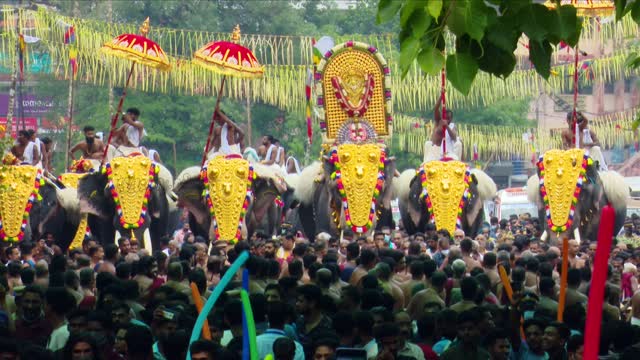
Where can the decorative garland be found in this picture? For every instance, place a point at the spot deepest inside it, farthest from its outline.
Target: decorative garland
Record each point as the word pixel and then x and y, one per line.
pixel 341 94
pixel 586 161
pixel 39 181
pixel 427 199
pixel 81 166
pixel 154 169
pixel 245 204
pixel 337 176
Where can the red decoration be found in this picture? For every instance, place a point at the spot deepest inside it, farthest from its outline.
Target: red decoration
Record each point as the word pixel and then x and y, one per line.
pixel 596 294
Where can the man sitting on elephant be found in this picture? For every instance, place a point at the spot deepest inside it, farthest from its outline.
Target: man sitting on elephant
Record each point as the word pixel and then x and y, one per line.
pixel 587 138
pixel 130 134
pixel 91 147
pixel 433 149
pixel 227 138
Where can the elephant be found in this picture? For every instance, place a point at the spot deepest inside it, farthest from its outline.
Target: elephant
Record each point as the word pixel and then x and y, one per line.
pixel 598 189
pixel 321 206
pixel 97 200
pixel 264 210
pixel 413 208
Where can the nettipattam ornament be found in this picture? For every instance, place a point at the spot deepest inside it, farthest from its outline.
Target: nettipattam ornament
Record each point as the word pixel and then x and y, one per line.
pixel 562 174
pixel 445 190
pixel 130 182
pixel 19 189
pixel 227 192
pixel 359 174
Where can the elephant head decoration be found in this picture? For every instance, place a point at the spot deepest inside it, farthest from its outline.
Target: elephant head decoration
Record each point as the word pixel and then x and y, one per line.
pixel 444 192
pixel 570 192
pixel 128 196
pixel 352 186
pixel 230 198
pixel 19 193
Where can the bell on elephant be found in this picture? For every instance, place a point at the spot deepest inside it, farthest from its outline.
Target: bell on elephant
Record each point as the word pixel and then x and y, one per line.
pixel 569 192
pixel 444 192
pixel 19 190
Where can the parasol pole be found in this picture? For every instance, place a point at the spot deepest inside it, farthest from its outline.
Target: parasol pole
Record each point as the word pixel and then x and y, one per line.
pixel 116 116
pixel 215 111
pixel 575 99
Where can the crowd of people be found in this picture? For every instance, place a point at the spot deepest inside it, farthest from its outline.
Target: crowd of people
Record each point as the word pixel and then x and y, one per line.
pixel 431 295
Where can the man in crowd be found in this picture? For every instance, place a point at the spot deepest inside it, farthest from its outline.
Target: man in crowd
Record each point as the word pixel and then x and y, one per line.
pixel 91 147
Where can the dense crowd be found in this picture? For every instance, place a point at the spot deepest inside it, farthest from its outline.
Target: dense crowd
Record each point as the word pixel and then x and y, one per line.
pixel 431 295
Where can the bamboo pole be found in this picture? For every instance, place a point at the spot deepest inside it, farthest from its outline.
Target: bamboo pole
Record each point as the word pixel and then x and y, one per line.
pixel 14 74
pixel 563 278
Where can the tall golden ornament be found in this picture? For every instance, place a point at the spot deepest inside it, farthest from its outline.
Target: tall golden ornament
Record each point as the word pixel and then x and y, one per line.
pixel 359 165
pixel 227 183
pixel 130 179
pixel 445 183
pixel 18 189
pixel 71 180
pixel 560 174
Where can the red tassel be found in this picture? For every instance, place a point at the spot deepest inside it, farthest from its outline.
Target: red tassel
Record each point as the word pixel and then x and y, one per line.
pixel 598 279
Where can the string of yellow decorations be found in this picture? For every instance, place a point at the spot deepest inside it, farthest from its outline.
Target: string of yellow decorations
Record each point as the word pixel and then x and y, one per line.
pixel 274 49
pixel 503 142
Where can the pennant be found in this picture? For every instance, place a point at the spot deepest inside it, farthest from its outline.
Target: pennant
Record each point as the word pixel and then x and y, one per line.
pixel 70 40
pixel 307 92
pixel 70 35
pixel 22 48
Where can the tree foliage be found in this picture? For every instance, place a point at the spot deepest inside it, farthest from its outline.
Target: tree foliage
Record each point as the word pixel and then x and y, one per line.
pixel 486 35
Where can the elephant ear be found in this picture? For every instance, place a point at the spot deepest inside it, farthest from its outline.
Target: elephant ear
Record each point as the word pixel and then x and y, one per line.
pixel 189 189
pixel 389 175
pixel 93 196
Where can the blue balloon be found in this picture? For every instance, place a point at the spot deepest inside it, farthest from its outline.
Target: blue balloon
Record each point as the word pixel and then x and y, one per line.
pixel 217 291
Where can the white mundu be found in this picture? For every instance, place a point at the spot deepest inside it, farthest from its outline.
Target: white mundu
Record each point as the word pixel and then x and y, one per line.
pixel 434 152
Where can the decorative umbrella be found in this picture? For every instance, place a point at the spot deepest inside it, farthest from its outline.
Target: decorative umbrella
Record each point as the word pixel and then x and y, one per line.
pixel 228 58
pixel 138 49
pixel 588 8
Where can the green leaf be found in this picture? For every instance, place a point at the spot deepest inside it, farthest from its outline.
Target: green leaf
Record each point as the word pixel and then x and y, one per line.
pixel 408 51
pixel 431 60
pixel 539 21
pixel 569 25
pixel 461 71
pixel 620 8
pixel 491 59
pixel 434 8
pixel 504 34
pixel 468 17
pixel 632 61
pixel 540 56
pixel 635 11
pixel 635 123
pixel 387 9
pixel 407 10
pixel 419 22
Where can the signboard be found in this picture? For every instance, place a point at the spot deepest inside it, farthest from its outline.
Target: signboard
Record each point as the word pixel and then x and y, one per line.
pixel 30 123
pixel 30 105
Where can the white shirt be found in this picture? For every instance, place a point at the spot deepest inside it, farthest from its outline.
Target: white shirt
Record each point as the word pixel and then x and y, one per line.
pixel 134 135
pixel 58 338
pixel 27 155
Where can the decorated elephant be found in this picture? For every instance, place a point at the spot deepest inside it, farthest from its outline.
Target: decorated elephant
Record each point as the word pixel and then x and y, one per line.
pixel 230 198
pixel 128 196
pixel 570 192
pixel 21 205
pixel 445 192
pixel 349 188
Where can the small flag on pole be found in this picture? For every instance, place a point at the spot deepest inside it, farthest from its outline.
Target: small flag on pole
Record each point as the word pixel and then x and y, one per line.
pixel 22 49
pixel 70 39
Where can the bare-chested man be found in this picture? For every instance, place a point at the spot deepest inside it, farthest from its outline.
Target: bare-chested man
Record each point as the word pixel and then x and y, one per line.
pixel 47 154
pixel 228 138
pixel 91 147
pixel 25 149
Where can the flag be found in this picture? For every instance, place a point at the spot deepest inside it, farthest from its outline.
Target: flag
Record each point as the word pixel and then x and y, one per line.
pixel 21 50
pixel 307 92
pixel 70 40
